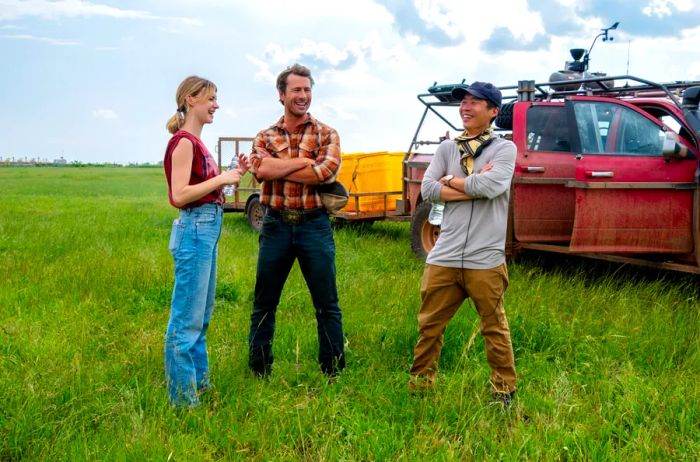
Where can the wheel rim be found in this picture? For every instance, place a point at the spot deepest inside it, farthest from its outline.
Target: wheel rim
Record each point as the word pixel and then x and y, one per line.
pixel 429 235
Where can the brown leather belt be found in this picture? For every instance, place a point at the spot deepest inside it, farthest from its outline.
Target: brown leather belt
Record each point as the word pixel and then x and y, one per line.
pixel 295 217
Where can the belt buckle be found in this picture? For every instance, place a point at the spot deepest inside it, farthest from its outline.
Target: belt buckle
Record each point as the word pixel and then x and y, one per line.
pixel 291 217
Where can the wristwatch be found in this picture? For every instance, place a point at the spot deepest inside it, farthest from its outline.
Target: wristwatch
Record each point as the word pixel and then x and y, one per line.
pixel 448 179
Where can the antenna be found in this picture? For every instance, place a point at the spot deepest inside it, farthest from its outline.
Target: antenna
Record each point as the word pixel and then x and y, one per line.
pixel 605 36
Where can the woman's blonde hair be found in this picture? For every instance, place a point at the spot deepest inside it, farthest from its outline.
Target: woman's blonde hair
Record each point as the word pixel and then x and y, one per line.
pixel 191 86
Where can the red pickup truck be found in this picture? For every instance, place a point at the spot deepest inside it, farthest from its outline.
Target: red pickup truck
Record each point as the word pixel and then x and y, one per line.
pixel 606 167
pixel 602 171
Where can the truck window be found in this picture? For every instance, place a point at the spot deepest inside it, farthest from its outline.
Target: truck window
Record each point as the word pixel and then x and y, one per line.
pixel 670 121
pixel 592 122
pixel 607 128
pixel 547 129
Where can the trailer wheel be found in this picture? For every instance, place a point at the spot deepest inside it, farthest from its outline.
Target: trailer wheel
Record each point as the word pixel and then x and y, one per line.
pixel 255 213
pixel 423 234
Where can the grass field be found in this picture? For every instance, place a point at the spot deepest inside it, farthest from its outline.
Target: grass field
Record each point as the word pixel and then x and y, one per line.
pixel 608 357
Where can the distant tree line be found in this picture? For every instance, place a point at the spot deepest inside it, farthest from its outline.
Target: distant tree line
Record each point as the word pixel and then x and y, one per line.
pixel 76 163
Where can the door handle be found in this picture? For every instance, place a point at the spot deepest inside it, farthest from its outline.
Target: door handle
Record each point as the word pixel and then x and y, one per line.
pixel 595 174
pixel 529 169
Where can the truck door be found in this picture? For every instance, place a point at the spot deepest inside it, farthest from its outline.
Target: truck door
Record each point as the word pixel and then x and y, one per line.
pixel 628 197
pixel 543 207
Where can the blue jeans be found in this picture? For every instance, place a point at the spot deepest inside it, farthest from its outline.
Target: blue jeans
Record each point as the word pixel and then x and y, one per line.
pixel 193 245
pixel 311 243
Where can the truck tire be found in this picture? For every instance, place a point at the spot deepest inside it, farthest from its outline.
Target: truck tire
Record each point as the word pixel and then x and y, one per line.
pixel 504 119
pixel 255 213
pixel 423 234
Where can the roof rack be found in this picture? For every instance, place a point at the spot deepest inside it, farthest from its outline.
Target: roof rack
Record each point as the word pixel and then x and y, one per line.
pixel 441 95
pixel 599 86
pixel 528 90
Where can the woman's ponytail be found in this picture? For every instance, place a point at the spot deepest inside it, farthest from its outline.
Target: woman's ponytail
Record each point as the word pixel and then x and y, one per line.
pixel 175 122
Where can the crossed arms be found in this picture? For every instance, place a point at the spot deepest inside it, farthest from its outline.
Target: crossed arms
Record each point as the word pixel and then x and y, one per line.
pixel 297 169
pixel 453 187
pixel 318 163
pixel 492 180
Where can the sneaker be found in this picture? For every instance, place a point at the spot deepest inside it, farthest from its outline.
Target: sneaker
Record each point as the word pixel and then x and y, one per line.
pixel 261 372
pixel 419 384
pixel 504 398
pixel 260 375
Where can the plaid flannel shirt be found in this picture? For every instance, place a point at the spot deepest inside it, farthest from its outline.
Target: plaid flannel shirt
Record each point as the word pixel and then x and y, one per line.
pixel 314 140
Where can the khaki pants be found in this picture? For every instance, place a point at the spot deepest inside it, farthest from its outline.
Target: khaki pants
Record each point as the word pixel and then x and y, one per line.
pixel 443 290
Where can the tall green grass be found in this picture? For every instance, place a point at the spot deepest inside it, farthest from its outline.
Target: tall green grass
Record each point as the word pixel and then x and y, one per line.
pixel 608 357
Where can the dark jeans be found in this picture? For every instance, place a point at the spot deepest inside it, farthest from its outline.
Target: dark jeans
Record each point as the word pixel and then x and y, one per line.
pixel 311 243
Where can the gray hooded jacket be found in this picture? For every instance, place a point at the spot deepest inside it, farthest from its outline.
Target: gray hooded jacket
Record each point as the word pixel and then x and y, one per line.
pixel 473 232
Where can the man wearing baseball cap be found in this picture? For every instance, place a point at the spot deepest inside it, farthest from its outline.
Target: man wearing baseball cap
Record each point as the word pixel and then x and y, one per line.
pixel 472 175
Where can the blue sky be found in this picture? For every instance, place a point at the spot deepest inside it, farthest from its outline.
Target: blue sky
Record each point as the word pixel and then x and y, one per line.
pixel 94 81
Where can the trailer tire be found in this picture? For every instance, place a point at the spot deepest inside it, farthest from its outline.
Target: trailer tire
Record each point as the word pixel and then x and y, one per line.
pixel 504 119
pixel 423 234
pixel 255 213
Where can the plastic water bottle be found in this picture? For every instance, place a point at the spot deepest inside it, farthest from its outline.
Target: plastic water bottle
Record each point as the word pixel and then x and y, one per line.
pixel 230 189
pixel 435 215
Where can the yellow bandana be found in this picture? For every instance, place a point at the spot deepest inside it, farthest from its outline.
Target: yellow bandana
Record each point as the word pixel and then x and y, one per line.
pixel 469 148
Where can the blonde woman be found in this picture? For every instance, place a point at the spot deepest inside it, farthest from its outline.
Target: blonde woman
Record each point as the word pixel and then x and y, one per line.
pixel 195 188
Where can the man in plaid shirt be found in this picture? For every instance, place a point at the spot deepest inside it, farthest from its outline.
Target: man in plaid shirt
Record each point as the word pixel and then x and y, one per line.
pixel 291 158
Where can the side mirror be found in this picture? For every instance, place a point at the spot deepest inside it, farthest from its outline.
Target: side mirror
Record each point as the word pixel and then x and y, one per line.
pixel 673 148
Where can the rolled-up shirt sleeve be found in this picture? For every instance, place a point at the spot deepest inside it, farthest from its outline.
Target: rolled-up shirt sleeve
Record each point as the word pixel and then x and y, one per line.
pixel 255 157
pixel 328 159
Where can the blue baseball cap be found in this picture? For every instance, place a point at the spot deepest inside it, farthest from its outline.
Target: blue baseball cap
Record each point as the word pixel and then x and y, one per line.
pixel 481 90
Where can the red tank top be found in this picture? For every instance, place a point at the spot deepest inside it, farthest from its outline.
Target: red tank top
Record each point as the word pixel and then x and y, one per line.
pixel 203 168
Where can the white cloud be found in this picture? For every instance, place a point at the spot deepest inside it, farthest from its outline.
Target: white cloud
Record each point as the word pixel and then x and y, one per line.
pixel 694 71
pixel 376 51
pixel 658 8
pixel 513 15
pixel 15 9
pixel 321 51
pixel 362 10
pixel 49 40
pixel 327 60
pixel 661 8
pixel 104 114
pixel 319 56
pixel 328 111
pixel 436 14
pixel 263 73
